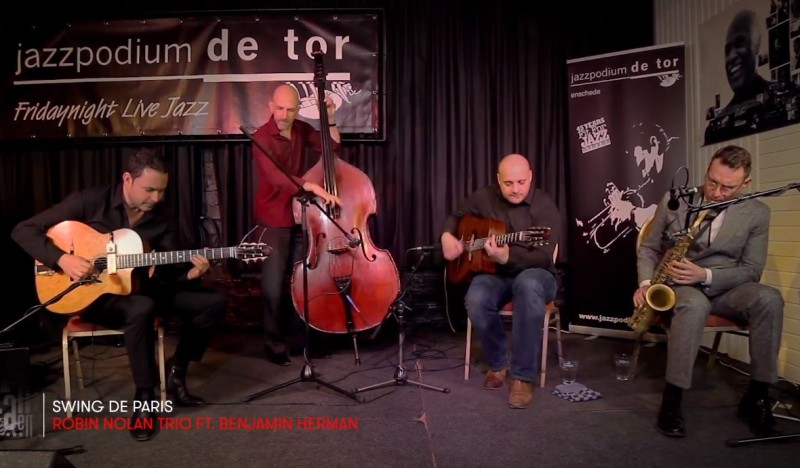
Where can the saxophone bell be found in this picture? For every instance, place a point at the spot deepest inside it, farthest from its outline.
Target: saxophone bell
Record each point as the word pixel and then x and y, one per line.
pixel 660 297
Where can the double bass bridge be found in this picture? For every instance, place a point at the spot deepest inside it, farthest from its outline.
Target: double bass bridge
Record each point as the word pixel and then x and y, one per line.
pixel 338 245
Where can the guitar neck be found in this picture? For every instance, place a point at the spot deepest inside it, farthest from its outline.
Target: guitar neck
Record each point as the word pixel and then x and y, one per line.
pixel 167 258
pixel 478 244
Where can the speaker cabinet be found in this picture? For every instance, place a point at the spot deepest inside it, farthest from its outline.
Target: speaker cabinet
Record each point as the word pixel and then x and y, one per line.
pixel 424 295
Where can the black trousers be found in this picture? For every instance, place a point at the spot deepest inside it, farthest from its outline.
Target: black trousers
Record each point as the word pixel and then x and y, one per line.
pixel 283 327
pixel 199 309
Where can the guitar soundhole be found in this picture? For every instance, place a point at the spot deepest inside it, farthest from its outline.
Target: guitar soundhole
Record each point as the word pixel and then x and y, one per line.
pixel 100 265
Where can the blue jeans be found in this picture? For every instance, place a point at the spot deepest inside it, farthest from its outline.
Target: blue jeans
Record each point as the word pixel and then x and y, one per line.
pixel 530 292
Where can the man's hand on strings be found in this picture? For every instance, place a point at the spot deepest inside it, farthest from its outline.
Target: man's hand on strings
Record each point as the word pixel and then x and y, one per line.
pixel 451 247
pixel 201 266
pixel 498 253
pixel 331 107
pixel 326 197
pixel 76 267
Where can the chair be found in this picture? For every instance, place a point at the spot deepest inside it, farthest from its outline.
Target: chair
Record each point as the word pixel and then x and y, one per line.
pixel 552 318
pixel 78 328
pixel 716 324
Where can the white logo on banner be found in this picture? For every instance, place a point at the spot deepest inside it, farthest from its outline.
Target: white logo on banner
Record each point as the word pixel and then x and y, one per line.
pixel 626 210
pixel 669 79
pixel 340 92
pixel 593 135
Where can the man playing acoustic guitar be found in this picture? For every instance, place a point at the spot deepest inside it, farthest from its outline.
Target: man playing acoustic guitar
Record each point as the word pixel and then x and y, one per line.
pixel 524 274
pixel 135 204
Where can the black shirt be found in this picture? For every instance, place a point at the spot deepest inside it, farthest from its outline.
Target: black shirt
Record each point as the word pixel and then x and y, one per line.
pixel 103 210
pixel 537 210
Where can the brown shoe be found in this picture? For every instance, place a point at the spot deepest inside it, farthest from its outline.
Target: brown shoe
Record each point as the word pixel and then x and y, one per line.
pixel 495 379
pixel 520 394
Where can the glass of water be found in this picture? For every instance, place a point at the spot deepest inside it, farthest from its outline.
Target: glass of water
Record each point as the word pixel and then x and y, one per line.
pixel 569 371
pixel 622 362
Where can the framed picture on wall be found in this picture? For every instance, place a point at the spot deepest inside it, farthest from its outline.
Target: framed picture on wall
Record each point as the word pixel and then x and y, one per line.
pixel 750 69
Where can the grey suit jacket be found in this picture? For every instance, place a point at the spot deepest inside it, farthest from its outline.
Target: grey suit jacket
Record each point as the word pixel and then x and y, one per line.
pixel 737 255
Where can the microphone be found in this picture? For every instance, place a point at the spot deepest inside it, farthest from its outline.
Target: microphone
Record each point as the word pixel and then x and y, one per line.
pixel 425 248
pixel 677 193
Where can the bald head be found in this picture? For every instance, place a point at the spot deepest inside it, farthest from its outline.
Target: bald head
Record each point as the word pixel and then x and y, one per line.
pixel 515 177
pixel 285 92
pixel 284 105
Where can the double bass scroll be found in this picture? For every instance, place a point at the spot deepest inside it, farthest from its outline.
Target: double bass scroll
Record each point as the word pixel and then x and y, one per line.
pixel 351 282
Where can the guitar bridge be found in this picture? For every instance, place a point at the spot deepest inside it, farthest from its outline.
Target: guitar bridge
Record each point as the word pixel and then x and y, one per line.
pixel 43 270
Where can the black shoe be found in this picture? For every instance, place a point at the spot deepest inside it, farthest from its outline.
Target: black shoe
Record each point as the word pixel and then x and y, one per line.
pixel 670 420
pixel 279 359
pixel 756 412
pixel 143 424
pixel 176 387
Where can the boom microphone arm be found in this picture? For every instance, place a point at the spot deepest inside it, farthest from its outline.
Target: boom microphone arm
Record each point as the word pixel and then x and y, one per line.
pixel 764 193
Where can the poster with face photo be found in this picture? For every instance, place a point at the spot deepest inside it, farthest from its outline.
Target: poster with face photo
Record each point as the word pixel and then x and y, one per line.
pixel 750 69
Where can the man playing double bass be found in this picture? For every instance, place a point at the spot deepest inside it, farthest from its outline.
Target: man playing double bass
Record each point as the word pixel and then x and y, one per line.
pixel 524 275
pixel 288 141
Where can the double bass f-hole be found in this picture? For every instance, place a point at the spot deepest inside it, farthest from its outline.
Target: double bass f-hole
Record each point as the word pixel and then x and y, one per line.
pixel 351 282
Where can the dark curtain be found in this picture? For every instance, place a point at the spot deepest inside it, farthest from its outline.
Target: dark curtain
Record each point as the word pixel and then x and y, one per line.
pixel 465 86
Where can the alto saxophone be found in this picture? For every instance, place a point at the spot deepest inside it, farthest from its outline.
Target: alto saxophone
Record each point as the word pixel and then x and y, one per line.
pixel 660 297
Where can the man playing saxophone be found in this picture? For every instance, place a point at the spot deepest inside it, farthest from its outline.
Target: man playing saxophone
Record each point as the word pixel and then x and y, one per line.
pixel 721 272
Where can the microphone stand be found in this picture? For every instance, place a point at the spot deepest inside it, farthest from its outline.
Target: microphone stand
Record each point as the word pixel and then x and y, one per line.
pixel 305 197
pixel 397 308
pixel 52 300
pixel 764 193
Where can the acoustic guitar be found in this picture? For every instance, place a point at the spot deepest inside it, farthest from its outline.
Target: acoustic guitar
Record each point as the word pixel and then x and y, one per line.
pixel 474 231
pixel 115 255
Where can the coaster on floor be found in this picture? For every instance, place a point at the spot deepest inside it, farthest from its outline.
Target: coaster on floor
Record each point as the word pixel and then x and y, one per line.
pixel 576 392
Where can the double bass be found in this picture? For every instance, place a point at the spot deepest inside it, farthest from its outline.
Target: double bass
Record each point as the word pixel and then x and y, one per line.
pixel 351 282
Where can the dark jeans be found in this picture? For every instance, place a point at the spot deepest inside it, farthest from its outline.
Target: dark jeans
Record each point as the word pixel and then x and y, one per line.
pixel 199 309
pixel 529 291
pixel 283 327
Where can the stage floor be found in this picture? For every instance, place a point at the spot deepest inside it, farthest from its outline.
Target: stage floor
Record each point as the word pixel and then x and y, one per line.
pixel 400 425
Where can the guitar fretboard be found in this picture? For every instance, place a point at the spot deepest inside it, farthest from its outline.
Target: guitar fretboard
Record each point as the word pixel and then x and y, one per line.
pixel 478 244
pixel 166 258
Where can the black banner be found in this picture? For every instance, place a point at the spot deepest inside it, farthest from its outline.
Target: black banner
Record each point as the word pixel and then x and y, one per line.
pixel 192 76
pixel 628 139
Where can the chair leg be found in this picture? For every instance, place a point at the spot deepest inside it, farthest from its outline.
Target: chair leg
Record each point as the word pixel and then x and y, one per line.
pixel 558 337
pixel 161 365
pixel 65 364
pixel 543 363
pixel 468 351
pixel 714 349
pixel 78 366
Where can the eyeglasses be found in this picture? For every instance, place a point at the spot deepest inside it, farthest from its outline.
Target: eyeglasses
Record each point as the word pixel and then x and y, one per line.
pixel 723 189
